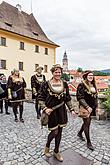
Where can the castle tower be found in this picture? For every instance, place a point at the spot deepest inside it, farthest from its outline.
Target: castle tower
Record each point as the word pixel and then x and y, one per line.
pixel 65 62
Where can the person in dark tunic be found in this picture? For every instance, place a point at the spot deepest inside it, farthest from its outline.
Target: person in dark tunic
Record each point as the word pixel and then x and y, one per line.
pixel 36 81
pixel 3 94
pixel 9 103
pixel 55 93
pixel 16 93
pixel 87 97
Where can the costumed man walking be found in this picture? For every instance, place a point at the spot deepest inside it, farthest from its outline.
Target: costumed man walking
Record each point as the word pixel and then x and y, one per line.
pixel 36 82
pixel 3 94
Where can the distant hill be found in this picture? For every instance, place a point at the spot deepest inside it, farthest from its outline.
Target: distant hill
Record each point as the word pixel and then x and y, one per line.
pixel 105 71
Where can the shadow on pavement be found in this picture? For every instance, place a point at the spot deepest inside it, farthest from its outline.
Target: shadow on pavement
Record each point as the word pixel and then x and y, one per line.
pixel 70 158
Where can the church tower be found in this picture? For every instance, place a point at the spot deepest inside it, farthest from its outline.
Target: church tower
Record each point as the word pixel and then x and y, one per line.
pixel 65 62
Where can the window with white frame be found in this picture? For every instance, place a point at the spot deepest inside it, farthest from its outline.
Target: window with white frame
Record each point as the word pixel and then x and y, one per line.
pixel 36 48
pixel 21 66
pixel 45 68
pixel 3 41
pixel 22 45
pixel 2 64
pixel 46 51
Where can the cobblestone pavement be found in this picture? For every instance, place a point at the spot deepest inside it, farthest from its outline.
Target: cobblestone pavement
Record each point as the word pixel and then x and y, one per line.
pixel 23 143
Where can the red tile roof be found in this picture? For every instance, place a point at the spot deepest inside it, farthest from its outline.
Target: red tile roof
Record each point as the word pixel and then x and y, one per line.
pixel 75 73
pixel 102 86
pixel 102 77
pixel 72 87
pixel 72 72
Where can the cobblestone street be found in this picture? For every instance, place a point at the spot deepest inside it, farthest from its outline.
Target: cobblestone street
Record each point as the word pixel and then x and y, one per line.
pixel 23 143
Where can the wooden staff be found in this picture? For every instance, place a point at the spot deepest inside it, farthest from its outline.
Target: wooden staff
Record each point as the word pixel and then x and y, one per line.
pixel 4 99
pixel 13 101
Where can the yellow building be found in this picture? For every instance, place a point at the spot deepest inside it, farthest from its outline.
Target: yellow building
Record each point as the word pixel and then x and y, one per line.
pixel 23 44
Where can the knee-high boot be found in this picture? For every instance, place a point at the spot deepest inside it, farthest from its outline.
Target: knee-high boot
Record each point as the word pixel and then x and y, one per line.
pixel 21 112
pixel 15 111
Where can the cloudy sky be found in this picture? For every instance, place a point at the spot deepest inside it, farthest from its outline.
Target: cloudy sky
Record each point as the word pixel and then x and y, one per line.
pixel 81 27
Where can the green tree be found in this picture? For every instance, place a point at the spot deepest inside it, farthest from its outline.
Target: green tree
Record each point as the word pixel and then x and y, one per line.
pixel 98 73
pixel 106 103
pixel 65 77
pixel 79 69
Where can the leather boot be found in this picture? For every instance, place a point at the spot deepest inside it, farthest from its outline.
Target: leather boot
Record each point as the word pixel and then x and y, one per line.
pixel 38 116
pixel 90 146
pixel 1 111
pixel 7 113
pixel 21 120
pixel 80 137
pixel 58 156
pixel 46 152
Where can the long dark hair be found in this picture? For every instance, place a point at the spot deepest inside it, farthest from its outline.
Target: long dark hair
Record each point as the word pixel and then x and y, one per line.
pixel 85 74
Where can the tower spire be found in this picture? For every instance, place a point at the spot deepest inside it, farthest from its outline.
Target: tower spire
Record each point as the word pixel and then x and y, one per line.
pixel 31 6
pixel 65 62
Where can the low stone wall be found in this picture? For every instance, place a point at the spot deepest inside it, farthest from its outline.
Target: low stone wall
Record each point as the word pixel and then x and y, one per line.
pixel 102 114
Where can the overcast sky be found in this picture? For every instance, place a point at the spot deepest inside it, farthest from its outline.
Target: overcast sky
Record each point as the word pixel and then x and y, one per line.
pixel 81 27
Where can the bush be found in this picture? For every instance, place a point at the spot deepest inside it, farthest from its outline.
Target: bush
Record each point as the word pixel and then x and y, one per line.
pixel 106 103
pixel 65 77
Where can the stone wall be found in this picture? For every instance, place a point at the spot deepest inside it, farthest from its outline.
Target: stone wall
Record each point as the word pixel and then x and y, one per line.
pixel 102 113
